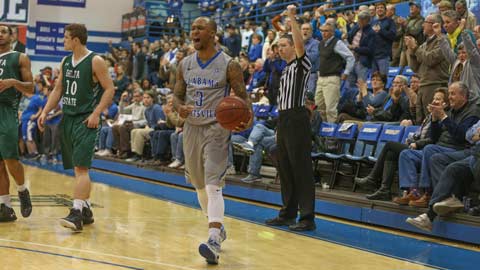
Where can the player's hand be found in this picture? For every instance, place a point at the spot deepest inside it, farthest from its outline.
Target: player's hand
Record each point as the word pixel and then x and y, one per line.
pixel 185 110
pixel 243 126
pixel 5 84
pixel 93 121
pixel 41 122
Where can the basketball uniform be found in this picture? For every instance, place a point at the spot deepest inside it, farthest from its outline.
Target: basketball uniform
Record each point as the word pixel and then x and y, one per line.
pixel 81 94
pixel 205 142
pixel 9 100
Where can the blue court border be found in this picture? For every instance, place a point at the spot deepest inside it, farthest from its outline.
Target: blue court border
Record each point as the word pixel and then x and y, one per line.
pixel 71 257
pixel 400 247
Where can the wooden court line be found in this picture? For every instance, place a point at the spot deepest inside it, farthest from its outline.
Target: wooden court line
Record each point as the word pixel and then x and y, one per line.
pixel 94 253
pixel 328 218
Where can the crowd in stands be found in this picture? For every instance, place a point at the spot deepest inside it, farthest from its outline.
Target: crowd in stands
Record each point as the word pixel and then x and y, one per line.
pixel 368 65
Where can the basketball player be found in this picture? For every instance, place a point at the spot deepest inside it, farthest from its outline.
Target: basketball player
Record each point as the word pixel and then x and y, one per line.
pixel 15 79
pixel 294 135
pixel 87 90
pixel 203 79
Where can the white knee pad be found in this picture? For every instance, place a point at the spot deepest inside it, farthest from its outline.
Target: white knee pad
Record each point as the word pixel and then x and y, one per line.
pixel 216 205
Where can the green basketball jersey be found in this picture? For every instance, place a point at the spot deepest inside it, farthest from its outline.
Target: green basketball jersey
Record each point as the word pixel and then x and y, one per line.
pixel 81 94
pixel 10 69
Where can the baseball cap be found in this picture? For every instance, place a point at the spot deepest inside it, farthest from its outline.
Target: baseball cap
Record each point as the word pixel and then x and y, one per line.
pixel 416 3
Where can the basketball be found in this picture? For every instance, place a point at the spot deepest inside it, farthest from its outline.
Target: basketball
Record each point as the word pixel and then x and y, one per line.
pixel 232 111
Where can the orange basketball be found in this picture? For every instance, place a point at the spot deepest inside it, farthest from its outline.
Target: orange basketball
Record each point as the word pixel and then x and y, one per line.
pixel 232 111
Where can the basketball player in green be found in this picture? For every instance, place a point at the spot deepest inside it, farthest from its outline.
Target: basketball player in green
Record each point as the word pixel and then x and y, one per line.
pixel 15 79
pixel 86 90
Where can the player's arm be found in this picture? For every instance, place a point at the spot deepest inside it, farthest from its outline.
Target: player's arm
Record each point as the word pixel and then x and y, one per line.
pixel 180 93
pixel 100 71
pixel 25 86
pixel 53 99
pixel 296 35
pixel 235 79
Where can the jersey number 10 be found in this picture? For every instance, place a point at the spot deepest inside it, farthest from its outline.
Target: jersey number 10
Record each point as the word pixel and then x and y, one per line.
pixel 71 88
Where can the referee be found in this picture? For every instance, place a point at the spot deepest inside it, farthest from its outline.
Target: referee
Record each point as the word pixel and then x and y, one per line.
pixel 294 135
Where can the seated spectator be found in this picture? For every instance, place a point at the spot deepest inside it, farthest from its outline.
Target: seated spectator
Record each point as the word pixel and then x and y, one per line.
pixel 121 130
pixel 448 134
pixel 269 41
pixel 258 76
pixel 365 99
pixel 176 142
pixel 454 182
pixel 160 137
pixel 412 93
pixel 29 119
pixel 384 169
pixel 154 117
pixel 51 135
pixel 105 140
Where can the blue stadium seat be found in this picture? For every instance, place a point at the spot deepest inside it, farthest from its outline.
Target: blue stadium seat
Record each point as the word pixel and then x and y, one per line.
pixel 390 133
pixel 326 130
pixel 409 131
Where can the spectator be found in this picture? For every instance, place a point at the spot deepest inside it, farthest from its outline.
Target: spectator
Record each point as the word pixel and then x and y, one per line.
pixel 454 181
pixel 451 23
pixel 395 106
pixel 464 13
pixel 121 131
pixel 15 44
pixel 365 99
pixel 396 48
pixel 411 27
pixel 51 135
pixel 362 43
pixel 105 140
pixel 448 134
pixel 412 94
pixel 386 31
pixel 258 76
pixel 255 51
pixel 334 54
pixel 311 49
pixel 120 83
pixel 273 68
pixel 154 117
pixel 29 120
pixel 176 139
pixel 246 33
pixel 269 41
pixel 384 169
pixel 444 5
pixel 168 70
pixel 138 63
pixel 153 62
pixel 429 63
pixel 233 42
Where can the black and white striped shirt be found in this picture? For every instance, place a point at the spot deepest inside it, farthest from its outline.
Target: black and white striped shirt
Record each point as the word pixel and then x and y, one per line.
pixel 293 84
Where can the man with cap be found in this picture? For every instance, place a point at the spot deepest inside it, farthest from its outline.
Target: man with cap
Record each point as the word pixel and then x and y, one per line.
pixel 412 26
pixel 462 10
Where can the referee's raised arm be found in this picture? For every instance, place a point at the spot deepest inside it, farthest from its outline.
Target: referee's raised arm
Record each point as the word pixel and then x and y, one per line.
pixel 296 35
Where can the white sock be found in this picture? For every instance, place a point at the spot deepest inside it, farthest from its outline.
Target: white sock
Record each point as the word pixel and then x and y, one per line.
pixel 21 188
pixel 216 205
pixel 5 199
pixel 214 233
pixel 78 204
pixel 202 200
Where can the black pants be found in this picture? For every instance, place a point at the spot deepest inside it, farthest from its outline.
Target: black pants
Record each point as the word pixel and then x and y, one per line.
pixel 390 152
pixel 295 164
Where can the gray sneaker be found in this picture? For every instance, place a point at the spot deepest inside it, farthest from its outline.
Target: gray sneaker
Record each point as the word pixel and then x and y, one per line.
pixel 251 179
pixel 210 251
pixel 422 222
pixel 447 206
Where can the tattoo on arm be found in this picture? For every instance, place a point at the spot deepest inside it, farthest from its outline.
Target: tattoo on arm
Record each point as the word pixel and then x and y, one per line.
pixel 180 89
pixel 235 79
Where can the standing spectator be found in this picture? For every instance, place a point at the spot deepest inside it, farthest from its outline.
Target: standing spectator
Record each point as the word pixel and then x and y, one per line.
pixel 246 33
pixel 444 5
pixel 396 49
pixel 451 23
pixel 428 61
pixel 153 62
pixel 464 13
pixel 120 83
pixel 386 31
pixel 311 48
pixel 333 53
pixel 293 136
pixel 269 41
pixel 411 27
pixel 255 51
pixel 168 70
pixel 138 62
pixel 362 43
pixel 29 119
pixel 233 42
pixel 273 68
